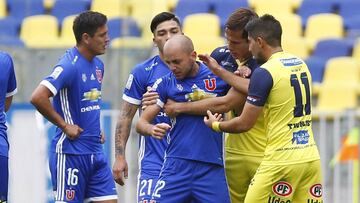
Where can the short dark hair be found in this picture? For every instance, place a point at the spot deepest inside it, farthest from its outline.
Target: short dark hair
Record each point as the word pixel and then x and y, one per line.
pixel 266 27
pixel 88 22
pixel 162 17
pixel 238 20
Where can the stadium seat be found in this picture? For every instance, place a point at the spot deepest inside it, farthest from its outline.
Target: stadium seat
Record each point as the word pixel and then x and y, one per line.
pixel 63 8
pixel 34 34
pixel 348 10
pixel 3 12
pixel 352 26
pixel 67 37
pixel 121 26
pixel 9 32
pixel 187 7
pixel 331 48
pixel 224 8
pixel 207 44
pixel 201 25
pixel 295 45
pixel 130 42
pixel 309 7
pixel 294 3
pixel 273 7
pixel 316 67
pixel 337 96
pixel 323 26
pixel 19 9
pixel 342 69
pixel 291 25
pixel 111 8
pixel 356 51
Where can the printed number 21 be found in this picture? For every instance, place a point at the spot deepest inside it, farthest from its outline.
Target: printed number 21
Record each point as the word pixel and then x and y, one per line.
pixel 299 106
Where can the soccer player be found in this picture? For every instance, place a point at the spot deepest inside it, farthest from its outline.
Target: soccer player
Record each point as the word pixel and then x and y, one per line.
pixel 193 167
pixel 79 168
pixel 281 87
pixel 7 90
pixel 151 154
pixel 243 152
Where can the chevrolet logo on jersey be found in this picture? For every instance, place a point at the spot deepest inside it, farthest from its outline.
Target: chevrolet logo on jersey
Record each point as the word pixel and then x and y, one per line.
pixel 92 95
pixel 198 94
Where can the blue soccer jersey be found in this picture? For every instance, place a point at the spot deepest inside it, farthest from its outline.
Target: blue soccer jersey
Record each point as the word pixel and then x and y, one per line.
pixel 189 137
pixel 76 85
pixel 151 154
pixel 7 89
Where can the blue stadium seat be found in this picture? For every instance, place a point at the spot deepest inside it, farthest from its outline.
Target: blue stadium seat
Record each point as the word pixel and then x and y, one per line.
pixel 326 49
pixel 310 7
pixel 19 9
pixel 123 26
pixel 63 8
pixel 224 8
pixel 9 32
pixel 349 9
pixel 316 67
pixel 187 7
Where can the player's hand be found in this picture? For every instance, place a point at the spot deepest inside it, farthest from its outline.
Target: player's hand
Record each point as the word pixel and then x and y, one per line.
pixel 102 137
pixel 72 131
pixel 149 98
pixel 210 118
pixel 120 170
pixel 170 108
pixel 243 71
pixel 159 130
pixel 210 62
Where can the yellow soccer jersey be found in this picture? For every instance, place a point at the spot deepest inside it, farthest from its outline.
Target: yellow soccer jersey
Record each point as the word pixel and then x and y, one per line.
pixel 250 143
pixel 287 109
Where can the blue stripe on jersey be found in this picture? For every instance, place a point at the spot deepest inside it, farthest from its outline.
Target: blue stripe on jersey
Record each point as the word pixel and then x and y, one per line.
pixel 76 85
pixel 7 89
pixel 259 88
pixel 189 137
pixel 151 152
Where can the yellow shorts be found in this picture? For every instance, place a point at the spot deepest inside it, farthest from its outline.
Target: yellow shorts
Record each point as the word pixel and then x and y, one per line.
pixel 240 169
pixel 286 183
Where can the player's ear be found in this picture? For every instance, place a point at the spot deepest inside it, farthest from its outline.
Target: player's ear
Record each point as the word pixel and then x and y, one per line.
pixel 85 38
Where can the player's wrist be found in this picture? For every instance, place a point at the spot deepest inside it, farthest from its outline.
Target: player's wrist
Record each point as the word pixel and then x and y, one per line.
pixel 216 126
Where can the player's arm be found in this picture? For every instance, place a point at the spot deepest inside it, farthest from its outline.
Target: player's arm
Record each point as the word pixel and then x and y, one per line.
pixel 239 83
pixel 145 127
pixel 232 100
pixel 8 102
pixel 40 98
pixel 122 133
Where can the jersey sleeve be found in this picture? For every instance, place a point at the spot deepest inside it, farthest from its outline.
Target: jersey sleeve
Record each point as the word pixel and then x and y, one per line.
pixel 60 77
pixel 135 86
pixel 11 86
pixel 160 87
pixel 260 85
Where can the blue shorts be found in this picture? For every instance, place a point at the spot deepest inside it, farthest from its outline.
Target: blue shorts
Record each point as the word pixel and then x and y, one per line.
pixel 145 186
pixel 184 181
pixel 4 178
pixel 81 178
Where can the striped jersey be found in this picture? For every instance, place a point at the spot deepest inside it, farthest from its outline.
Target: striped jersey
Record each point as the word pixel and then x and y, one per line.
pixel 189 137
pixel 7 88
pixel 283 86
pixel 75 83
pixel 151 152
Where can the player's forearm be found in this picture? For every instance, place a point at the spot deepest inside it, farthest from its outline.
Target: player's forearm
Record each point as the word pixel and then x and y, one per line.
pixel 8 102
pixel 235 125
pixel 217 105
pixel 144 127
pixel 239 83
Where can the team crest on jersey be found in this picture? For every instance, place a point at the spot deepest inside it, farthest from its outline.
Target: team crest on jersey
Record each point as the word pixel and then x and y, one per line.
pixel 70 194
pixel 210 84
pixel 316 190
pixel 282 188
pixel 99 75
pixel 179 87
pixel 57 71
pixel 83 77
pixel 300 137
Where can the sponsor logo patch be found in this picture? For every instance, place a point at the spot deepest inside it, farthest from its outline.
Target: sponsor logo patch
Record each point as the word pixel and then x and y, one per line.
pixel 316 190
pixel 57 71
pixel 282 188
pixel 300 137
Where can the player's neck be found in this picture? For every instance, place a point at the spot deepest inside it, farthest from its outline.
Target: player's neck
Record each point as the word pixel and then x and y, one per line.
pixel 194 70
pixel 271 51
pixel 85 52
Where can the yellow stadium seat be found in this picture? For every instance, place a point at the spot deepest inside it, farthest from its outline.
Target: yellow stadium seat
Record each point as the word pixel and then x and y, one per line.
pixel 201 25
pixel 288 5
pixel 337 96
pixel 3 8
pixel 130 42
pixel 342 69
pixel 48 4
pixel 67 37
pixel 40 31
pixel 204 44
pixel 296 46
pixel 323 26
pixel 356 50
pixel 111 8
pixel 290 24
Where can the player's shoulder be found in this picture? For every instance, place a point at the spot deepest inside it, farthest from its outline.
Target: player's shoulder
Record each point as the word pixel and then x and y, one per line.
pixel 220 52
pixel 5 58
pixel 148 65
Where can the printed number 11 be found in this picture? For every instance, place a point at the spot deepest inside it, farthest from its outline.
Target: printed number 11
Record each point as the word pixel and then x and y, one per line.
pixel 299 106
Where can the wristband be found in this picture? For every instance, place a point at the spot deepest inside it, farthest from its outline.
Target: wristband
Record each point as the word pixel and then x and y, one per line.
pixel 216 126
